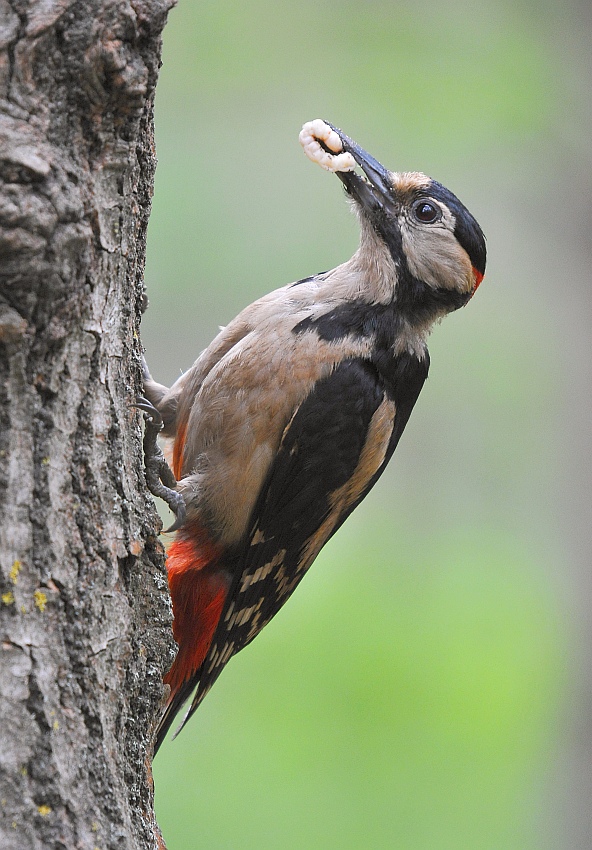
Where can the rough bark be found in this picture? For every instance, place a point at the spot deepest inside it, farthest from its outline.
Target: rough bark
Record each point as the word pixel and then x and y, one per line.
pixel 84 614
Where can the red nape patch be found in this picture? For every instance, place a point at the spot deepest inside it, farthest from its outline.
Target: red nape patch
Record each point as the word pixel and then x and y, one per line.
pixel 198 590
pixel 478 278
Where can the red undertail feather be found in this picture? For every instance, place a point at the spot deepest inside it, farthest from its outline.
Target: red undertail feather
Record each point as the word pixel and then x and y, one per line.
pixel 198 589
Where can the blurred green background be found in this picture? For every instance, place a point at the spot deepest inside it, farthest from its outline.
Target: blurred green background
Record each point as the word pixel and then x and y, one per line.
pixel 426 686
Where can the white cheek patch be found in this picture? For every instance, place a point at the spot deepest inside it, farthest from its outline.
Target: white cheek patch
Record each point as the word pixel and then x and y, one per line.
pixel 436 258
pixel 314 132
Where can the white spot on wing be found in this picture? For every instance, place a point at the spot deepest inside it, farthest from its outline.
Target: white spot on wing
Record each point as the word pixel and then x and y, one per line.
pixel 214 661
pixel 226 654
pixel 258 537
pixel 245 614
pixel 262 572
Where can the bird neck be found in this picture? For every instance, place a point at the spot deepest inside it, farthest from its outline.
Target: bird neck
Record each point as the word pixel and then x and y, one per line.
pixel 384 277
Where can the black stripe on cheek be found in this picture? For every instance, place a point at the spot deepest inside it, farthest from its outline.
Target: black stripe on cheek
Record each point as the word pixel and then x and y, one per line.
pixel 416 301
pixel 419 302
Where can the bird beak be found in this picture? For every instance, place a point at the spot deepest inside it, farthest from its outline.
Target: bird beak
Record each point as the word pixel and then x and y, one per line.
pixel 373 193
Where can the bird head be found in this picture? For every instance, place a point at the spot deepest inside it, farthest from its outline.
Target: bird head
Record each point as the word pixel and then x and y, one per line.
pixel 437 246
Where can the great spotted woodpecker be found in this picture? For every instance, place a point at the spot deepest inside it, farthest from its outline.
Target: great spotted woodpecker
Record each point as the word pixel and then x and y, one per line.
pixel 288 418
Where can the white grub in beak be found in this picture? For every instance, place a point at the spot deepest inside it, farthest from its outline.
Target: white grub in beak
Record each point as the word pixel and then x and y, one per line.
pixel 314 132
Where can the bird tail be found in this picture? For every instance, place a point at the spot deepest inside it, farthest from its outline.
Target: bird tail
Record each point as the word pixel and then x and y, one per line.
pixel 199 586
pixel 173 706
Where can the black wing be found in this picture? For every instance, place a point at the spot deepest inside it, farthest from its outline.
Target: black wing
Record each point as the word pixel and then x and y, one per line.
pixel 332 452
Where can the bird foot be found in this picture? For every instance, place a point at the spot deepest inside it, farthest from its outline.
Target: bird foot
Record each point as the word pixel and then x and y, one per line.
pixel 159 477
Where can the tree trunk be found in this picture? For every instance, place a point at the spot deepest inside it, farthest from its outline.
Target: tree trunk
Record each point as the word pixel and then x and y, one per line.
pixel 84 614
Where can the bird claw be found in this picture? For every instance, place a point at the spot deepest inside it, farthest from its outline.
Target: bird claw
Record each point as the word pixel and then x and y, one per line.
pixel 180 512
pixel 159 477
pixel 151 413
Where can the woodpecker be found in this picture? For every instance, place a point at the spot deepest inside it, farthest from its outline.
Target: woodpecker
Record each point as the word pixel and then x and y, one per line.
pixel 285 422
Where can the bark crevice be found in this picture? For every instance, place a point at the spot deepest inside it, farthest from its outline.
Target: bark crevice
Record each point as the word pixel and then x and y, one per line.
pixel 84 614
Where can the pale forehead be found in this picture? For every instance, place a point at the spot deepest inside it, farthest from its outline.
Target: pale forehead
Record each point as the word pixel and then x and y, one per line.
pixel 409 182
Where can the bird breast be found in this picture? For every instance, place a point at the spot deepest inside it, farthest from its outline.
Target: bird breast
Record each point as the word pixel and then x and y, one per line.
pixel 241 410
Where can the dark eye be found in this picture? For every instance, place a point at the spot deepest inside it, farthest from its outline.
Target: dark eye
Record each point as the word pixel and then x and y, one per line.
pixel 426 211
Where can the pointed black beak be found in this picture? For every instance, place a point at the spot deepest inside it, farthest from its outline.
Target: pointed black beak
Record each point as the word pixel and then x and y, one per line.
pixel 375 192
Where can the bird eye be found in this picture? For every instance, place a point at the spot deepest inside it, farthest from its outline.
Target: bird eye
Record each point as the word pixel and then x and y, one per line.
pixel 426 212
